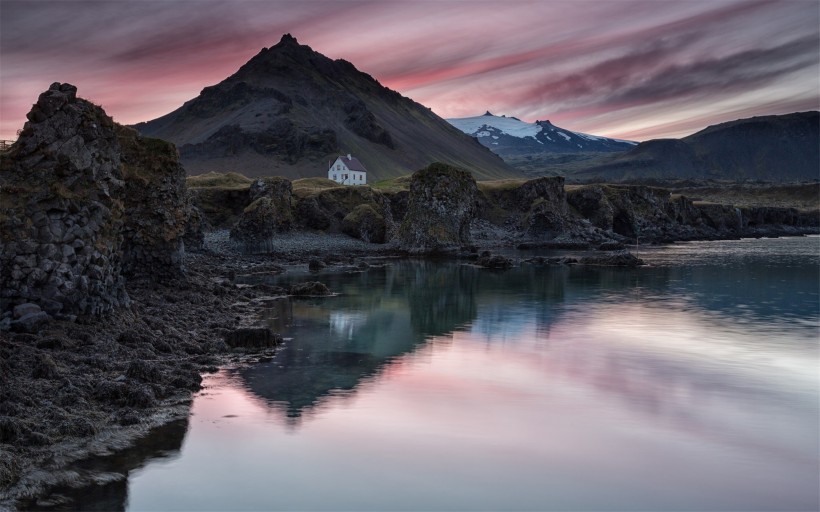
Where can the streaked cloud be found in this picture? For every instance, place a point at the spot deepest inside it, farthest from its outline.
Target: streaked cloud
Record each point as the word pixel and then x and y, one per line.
pixel 628 68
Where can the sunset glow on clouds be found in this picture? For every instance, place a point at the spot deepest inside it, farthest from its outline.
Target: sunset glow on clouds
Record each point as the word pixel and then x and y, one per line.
pixel 630 69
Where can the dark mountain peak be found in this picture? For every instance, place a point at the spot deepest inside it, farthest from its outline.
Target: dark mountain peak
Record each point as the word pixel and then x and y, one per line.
pixel 488 113
pixel 546 123
pixel 289 108
pixel 287 39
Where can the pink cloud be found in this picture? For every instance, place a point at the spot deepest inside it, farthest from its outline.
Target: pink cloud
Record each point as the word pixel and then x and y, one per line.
pixel 612 68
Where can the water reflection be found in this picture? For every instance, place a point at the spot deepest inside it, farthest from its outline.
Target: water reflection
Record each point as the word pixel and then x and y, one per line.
pixel 385 313
pixel 112 472
pixel 443 386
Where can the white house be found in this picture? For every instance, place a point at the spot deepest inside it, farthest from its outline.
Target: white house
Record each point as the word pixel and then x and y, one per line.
pixel 347 171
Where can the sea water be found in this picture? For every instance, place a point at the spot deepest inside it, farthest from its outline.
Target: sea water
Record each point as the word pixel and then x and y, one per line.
pixel 687 384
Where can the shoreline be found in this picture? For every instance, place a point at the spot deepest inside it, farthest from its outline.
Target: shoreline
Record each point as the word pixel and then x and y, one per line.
pixel 100 400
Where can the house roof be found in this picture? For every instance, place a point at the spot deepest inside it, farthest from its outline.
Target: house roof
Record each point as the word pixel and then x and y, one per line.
pixel 352 163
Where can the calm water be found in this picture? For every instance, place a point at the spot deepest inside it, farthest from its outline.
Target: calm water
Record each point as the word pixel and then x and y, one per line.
pixel 691 384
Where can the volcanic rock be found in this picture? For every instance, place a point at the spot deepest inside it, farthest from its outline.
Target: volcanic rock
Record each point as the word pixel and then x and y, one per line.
pixel 443 202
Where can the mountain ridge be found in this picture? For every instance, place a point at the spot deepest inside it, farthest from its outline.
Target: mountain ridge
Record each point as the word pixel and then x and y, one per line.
pixel 289 110
pixel 776 148
pixel 511 137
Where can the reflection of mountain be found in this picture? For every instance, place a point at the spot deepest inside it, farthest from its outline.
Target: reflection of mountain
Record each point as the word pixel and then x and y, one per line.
pixel 341 341
pixel 162 442
pixel 384 313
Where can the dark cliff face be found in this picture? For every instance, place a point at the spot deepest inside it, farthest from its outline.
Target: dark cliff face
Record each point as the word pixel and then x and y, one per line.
pixel 443 202
pixel 289 110
pixel 772 148
pixel 83 202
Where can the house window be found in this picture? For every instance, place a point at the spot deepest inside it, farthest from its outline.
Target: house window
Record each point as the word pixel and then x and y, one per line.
pixel 334 177
pixel 338 167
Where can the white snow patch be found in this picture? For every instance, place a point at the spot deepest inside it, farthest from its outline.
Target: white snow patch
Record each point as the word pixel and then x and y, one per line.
pixel 495 136
pixel 505 125
pixel 564 135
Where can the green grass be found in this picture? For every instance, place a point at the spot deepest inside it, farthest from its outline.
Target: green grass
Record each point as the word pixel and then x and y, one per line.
pixel 393 184
pixel 231 180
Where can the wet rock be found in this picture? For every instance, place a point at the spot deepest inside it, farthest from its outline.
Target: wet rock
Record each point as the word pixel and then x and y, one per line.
pixel 252 337
pixel 315 265
pixel 612 259
pixel 443 202
pixel 309 289
pixel 496 262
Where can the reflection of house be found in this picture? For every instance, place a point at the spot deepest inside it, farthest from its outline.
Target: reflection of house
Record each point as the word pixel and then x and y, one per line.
pixel 347 170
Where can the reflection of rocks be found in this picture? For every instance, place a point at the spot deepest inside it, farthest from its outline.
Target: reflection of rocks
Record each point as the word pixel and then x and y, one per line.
pixel 105 479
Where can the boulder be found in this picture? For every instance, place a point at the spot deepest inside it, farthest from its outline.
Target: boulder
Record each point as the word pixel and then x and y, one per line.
pixel 442 203
pixel 309 289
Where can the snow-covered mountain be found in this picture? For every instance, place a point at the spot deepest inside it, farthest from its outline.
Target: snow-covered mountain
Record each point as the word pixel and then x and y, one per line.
pixel 509 136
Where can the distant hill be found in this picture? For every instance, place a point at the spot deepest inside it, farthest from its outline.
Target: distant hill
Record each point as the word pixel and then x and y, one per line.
pixel 510 137
pixel 290 110
pixel 783 148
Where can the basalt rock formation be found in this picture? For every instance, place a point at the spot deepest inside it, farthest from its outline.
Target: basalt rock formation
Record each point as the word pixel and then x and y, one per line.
pixel 61 193
pixel 83 203
pixel 268 213
pixel 156 206
pixel 361 212
pixel 443 202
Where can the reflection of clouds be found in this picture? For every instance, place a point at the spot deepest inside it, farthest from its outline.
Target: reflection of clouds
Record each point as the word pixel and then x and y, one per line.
pixel 688 369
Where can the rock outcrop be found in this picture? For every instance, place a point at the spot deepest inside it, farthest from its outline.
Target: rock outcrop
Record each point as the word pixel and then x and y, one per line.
pixel 61 210
pixel 83 203
pixel 443 202
pixel 156 207
pixel 268 213
pixel 366 224
pixel 360 212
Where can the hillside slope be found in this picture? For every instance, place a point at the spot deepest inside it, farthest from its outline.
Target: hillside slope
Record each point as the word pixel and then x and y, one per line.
pixel 783 148
pixel 290 110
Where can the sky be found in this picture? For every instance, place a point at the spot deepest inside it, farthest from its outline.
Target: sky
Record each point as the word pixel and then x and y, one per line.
pixel 630 69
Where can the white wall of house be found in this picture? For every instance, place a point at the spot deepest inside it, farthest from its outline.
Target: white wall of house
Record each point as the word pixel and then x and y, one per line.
pixel 340 173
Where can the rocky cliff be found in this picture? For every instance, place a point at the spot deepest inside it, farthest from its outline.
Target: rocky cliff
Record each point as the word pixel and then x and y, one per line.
pixel 443 202
pixel 84 202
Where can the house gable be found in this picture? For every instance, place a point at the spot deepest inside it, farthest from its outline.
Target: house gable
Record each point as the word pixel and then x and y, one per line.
pixel 347 170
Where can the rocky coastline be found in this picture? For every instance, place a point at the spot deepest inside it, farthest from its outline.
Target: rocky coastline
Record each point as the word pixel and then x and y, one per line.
pixel 121 284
